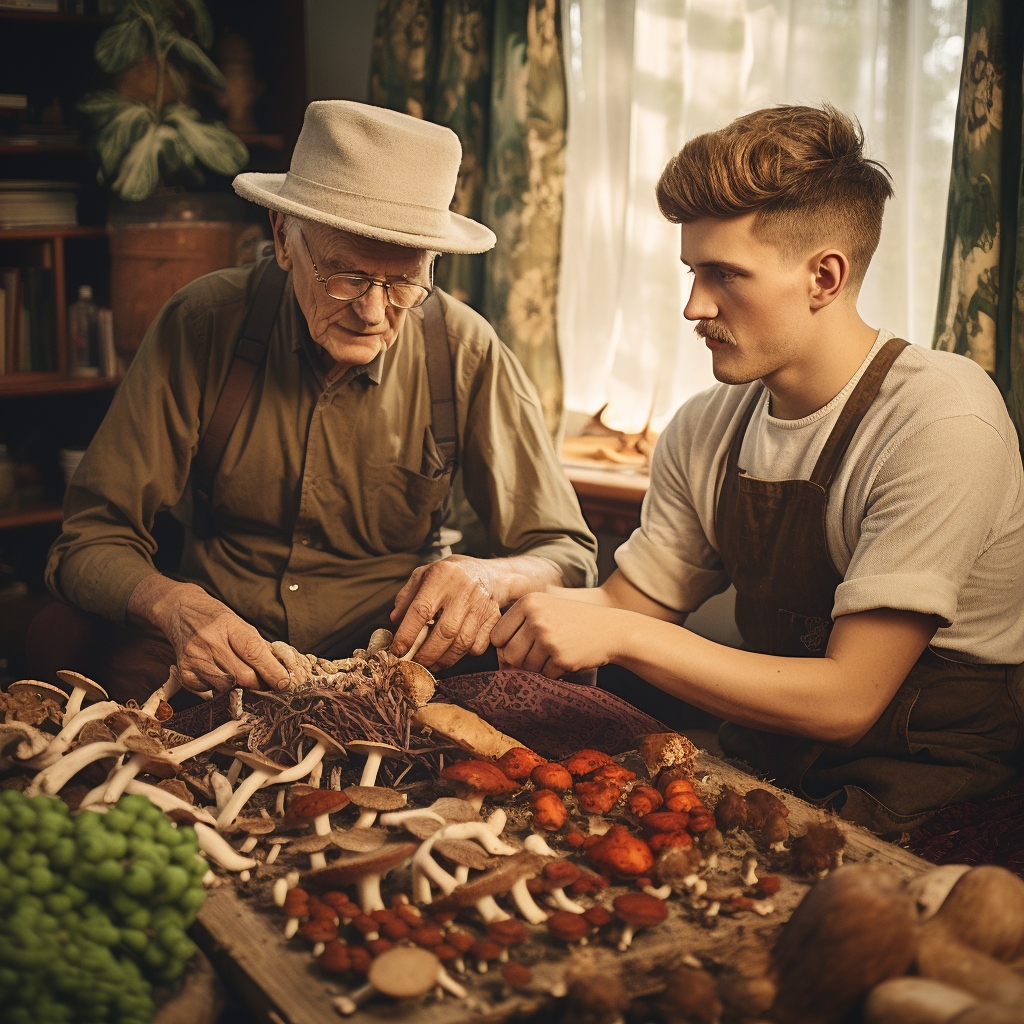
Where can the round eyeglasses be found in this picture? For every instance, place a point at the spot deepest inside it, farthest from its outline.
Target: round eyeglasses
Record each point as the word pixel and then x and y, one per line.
pixel 346 287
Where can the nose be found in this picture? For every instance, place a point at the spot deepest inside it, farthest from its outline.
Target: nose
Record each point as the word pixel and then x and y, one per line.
pixel 371 306
pixel 699 306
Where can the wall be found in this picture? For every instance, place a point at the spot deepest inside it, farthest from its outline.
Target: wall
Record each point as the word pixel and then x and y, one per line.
pixel 339 38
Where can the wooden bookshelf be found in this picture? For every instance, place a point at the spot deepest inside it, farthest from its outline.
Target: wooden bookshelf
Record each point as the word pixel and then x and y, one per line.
pixel 76 231
pixel 47 148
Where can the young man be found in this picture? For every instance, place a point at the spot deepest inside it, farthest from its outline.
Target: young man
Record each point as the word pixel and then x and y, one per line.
pixel 864 496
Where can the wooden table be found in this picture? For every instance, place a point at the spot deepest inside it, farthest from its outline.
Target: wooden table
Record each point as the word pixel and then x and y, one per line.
pixel 279 983
pixel 610 499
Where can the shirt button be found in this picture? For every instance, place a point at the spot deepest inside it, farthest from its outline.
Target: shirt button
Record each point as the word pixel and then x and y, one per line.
pixel 305 542
pixel 293 586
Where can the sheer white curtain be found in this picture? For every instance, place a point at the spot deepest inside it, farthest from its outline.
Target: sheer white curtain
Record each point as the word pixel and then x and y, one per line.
pixel 646 75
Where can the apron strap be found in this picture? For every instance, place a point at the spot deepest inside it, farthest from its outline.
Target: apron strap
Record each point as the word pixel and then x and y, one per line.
pixel 249 354
pixel 737 442
pixel 853 412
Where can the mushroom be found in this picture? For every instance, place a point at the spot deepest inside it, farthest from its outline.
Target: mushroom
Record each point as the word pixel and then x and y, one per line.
pixel 731 810
pixel 677 866
pixel 464 729
pixel 415 681
pixel 53 778
pixel 761 803
pixel 916 1001
pixel 749 869
pixel 263 771
pixel 931 888
pixel 583 762
pixel 163 693
pixel 549 812
pixel 364 871
pixel 637 910
pixel 662 841
pixel 172 806
pixel 374 754
pixel 679 795
pixel 476 779
pixel 568 927
pixel 534 843
pixel 775 831
pixel 325 748
pixel 425 870
pixel 60 743
pixel 20 742
pixel 371 800
pixel 819 849
pixel 553 880
pixel 402 972
pixel 690 995
pixel 519 762
pixel 621 854
pixel 666 750
pixel 643 800
pixel 317 808
pixel 852 930
pixel 480 891
pixel 217 848
pixel 941 957
pixel 485 950
pixel 615 774
pixel 36 688
pixel 596 797
pixel 516 975
pixel 82 687
pixel 506 933
pixel 551 776
pixel 664 821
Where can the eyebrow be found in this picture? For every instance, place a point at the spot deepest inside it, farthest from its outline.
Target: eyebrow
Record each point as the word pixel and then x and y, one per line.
pixel 732 268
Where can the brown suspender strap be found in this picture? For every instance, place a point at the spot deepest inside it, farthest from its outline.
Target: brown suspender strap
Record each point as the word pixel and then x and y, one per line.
pixel 249 354
pixel 440 383
pixel 853 412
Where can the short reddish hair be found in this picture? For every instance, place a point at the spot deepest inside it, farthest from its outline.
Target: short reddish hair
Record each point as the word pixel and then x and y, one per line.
pixel 802 170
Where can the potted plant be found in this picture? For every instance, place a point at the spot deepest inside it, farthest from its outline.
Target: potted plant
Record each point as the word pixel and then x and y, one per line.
pixel 152 145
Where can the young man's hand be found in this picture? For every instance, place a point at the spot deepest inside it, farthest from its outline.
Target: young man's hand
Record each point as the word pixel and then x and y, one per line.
pixel 556 635
pixel 216 650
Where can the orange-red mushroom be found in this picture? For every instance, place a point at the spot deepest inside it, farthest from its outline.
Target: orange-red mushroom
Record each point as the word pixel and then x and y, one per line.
pixel 518 762
pixel 477 779
pixel 643 799
pixel 637 910
pixel 551 776
pixel 549 812
pixel 620 853
pixel 583 762
pixel 597 797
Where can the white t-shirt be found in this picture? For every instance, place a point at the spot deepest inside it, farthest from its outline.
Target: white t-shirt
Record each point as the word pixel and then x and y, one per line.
pixel 925 513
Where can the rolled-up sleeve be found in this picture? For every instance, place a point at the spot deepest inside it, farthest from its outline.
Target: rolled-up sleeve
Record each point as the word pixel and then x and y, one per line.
pixel 136 465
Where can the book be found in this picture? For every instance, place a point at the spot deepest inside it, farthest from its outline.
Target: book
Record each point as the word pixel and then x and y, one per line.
pixel 10 277
pixel 26 203
pixel 3 331
pixel 105 331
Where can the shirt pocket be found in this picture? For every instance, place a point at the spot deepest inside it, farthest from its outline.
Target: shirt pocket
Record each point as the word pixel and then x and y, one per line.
pixel 399 504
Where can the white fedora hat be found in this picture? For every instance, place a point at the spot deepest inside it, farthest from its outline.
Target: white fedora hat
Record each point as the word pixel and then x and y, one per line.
pixel 376 173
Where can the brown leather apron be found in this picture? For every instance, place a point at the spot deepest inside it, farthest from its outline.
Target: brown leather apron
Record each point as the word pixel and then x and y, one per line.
pixel 947 734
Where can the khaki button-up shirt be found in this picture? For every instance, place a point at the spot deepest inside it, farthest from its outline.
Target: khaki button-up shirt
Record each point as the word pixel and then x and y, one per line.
pixel 322 502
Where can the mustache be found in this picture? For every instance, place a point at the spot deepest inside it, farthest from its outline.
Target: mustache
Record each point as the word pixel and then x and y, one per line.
pixel 714 331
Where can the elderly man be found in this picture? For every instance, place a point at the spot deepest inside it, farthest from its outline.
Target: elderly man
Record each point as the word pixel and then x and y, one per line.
pixel 303 417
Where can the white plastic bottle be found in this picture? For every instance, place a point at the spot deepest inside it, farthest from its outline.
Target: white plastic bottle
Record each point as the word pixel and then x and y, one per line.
pixel 83 336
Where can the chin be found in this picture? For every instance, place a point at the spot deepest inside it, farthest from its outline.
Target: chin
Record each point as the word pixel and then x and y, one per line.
pixel 355 353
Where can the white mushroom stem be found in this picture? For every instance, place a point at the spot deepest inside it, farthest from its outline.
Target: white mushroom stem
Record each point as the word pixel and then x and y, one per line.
pixel 712 910
pixel 489 910
pixel 316 775
pixel 627 937
pixel 347 1005
pixel 223 733
pixel 449 984
pixel 393 818
pixel 120 778
pixel 763 907
pixel 712 860
pixel 336 777
pixel 368 893
pixel 234 770
pixel 461 873
pixel 249 845
pixel 496 821
pixel 661 893
pixel 525 902
pixel 536 844
pixel 74 704
pixel 52 779
pixel 257 778
pixel 370 769
pixel 478 831
pixel 367 816
pixel 168 801
pixel 279 802
pixel 426 869
pixel 777 847
pixel 322 827
pixel 280 890
pixel 217 848
pixel 60 743
pixel 221 789
pixel 563 902
pixel 696 885
pixel 291 927
pixel 165 692
pixel 749 868
pixel 318 948
pixel 304 767
pixel 272 856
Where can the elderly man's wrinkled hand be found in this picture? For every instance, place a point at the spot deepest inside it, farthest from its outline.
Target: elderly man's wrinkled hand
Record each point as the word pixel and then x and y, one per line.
pixel 463 588
pixel 218 650
pixel 556 636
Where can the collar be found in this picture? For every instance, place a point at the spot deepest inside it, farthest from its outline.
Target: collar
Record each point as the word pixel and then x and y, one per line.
pixel 303 340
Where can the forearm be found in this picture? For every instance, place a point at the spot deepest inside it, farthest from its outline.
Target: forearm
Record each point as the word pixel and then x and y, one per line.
pixel 155 598
pixel 796 696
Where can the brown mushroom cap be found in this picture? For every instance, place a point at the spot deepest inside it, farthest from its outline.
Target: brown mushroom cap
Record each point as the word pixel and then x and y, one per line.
pixel 666 749
pixel 639 909
pixel 585 761
pixel 359 840
pixel 415 681
pixel 376 798
pixel 255 826
pixel 560 873
pixel 508 933
pixel 350 869
pixel 596 797
pixel 258 762
pixel 481 776
pixel 404 971
pixel 454 810
pixel 731 810
pixel 461 851
pixel 621 853
pixel 568 927
pixel 45 690
pixel 597 915
pixel 333 750
pixel 516 975
pixel 519 762
pixel 493 882
pixel 761 803
pixel 551 776
pixel 312 805
pixel 76 680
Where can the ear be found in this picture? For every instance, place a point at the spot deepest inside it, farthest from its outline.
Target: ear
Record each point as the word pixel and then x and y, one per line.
pixel 830 272
pixel 282 250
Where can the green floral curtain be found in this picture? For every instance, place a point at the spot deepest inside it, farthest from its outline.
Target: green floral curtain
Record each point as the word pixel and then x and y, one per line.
pixel 981 294
pixel 491 70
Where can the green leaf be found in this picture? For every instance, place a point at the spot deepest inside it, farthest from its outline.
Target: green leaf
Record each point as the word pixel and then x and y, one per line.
pixel 102 105
pixel 190 56
pixel 120 133
pixel 140 169
pixel 200 20
pixel 212 144
pixel 121 46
